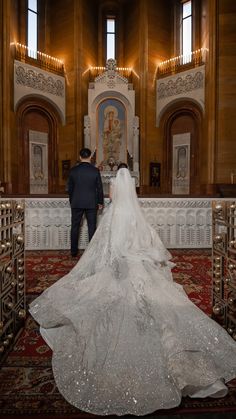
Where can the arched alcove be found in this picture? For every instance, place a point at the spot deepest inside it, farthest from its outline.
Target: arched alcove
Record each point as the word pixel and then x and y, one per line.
pixel 182 117
pixel 36 115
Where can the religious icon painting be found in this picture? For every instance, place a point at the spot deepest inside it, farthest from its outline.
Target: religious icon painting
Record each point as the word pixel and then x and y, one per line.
pixel 111 135
pixel 155 174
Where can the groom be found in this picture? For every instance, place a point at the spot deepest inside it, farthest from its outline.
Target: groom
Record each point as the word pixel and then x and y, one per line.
pixel 85 195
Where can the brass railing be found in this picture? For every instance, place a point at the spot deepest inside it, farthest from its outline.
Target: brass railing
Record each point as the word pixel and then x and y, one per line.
pixel 224 264
pixel 181 63
pixel 38 59
pixel 12 273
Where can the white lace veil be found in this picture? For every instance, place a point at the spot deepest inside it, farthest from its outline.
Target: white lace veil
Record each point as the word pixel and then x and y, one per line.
pixel 131 233
pixel 123 232
pixel 123 190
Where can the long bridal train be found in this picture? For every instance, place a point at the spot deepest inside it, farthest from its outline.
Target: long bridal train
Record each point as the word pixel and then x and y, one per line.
pixel 126 339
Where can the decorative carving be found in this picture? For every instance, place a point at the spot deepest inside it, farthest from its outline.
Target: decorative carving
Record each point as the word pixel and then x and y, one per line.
pixel 189 84
pixel 30 80
pixel 39 81
pixel 46 203
pixel 181 85
pixel 111 64
pixel 87 131
pixel 181 223
pixel 111 77
pixel 173 203
pixel 136 125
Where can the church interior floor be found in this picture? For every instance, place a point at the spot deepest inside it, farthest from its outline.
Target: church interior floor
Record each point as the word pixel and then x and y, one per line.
pixel 27 387
pixel 221 415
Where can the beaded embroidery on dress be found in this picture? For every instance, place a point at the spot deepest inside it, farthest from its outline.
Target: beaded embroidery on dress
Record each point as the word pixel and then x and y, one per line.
pixel 126 339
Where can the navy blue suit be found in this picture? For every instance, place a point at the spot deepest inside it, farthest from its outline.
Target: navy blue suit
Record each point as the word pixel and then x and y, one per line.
pixel 85 194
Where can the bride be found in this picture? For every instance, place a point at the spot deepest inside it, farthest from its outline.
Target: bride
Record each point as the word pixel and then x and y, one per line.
pixel 125 338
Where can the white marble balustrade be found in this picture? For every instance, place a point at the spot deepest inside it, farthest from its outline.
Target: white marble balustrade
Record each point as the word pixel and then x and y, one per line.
pixel 181 223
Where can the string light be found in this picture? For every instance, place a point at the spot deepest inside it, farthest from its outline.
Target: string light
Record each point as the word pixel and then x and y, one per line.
pixel 182 58
pixel 117 68
pixel 42 55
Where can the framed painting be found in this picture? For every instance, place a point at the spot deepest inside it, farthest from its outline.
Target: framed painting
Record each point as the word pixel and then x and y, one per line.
pixel 155 174
pixel 111 135
pixel 66 164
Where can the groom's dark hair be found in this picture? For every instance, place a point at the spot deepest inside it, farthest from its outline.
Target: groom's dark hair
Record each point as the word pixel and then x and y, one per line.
pixel 85 153
pixel 122 166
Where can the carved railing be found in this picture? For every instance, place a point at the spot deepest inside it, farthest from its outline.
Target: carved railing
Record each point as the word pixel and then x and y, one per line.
pixel 181 63
pixel 38 59
pixel 224 264
pixel 181 223
pixel 12 279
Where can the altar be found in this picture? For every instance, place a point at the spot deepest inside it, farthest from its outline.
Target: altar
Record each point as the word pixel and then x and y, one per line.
pixel 107 176
pixel 111 128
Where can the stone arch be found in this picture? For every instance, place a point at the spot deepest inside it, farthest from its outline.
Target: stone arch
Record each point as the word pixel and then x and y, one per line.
pixel 191 114
pixel 40 115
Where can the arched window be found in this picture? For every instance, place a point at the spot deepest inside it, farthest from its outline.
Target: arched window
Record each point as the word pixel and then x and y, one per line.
pixel 32 34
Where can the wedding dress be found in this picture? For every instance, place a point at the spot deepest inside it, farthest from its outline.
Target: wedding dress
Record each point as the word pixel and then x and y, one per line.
pixel 126 339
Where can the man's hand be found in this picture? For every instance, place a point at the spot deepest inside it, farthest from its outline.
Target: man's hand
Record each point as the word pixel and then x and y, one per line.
pixel 100 206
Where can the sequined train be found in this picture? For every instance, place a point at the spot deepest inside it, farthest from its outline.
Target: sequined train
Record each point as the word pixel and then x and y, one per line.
pixel 126 339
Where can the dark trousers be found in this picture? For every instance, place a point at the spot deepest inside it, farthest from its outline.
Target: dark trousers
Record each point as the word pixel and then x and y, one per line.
pixel 76 216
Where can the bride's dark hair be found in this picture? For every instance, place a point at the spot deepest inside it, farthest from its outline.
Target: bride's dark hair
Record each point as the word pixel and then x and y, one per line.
pixel 122 166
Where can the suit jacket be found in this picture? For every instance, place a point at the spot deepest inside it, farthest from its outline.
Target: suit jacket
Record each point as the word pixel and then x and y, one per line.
pixel 85 186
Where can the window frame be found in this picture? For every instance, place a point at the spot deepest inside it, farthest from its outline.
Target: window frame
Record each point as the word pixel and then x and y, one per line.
pixel 110 16
pixel 182 26
pixel 31 52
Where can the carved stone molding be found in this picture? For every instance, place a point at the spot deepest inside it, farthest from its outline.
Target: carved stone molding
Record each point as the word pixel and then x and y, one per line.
pixel 87 130
pixel 111 77
pixel 29 80
pixel 46 203
pixel 174 203
pixel 180 223
pixel 188 84
pixel 181 85
pixel 38 81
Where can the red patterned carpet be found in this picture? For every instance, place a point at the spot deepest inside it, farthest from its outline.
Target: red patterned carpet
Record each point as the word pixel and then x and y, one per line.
pixel 27 387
